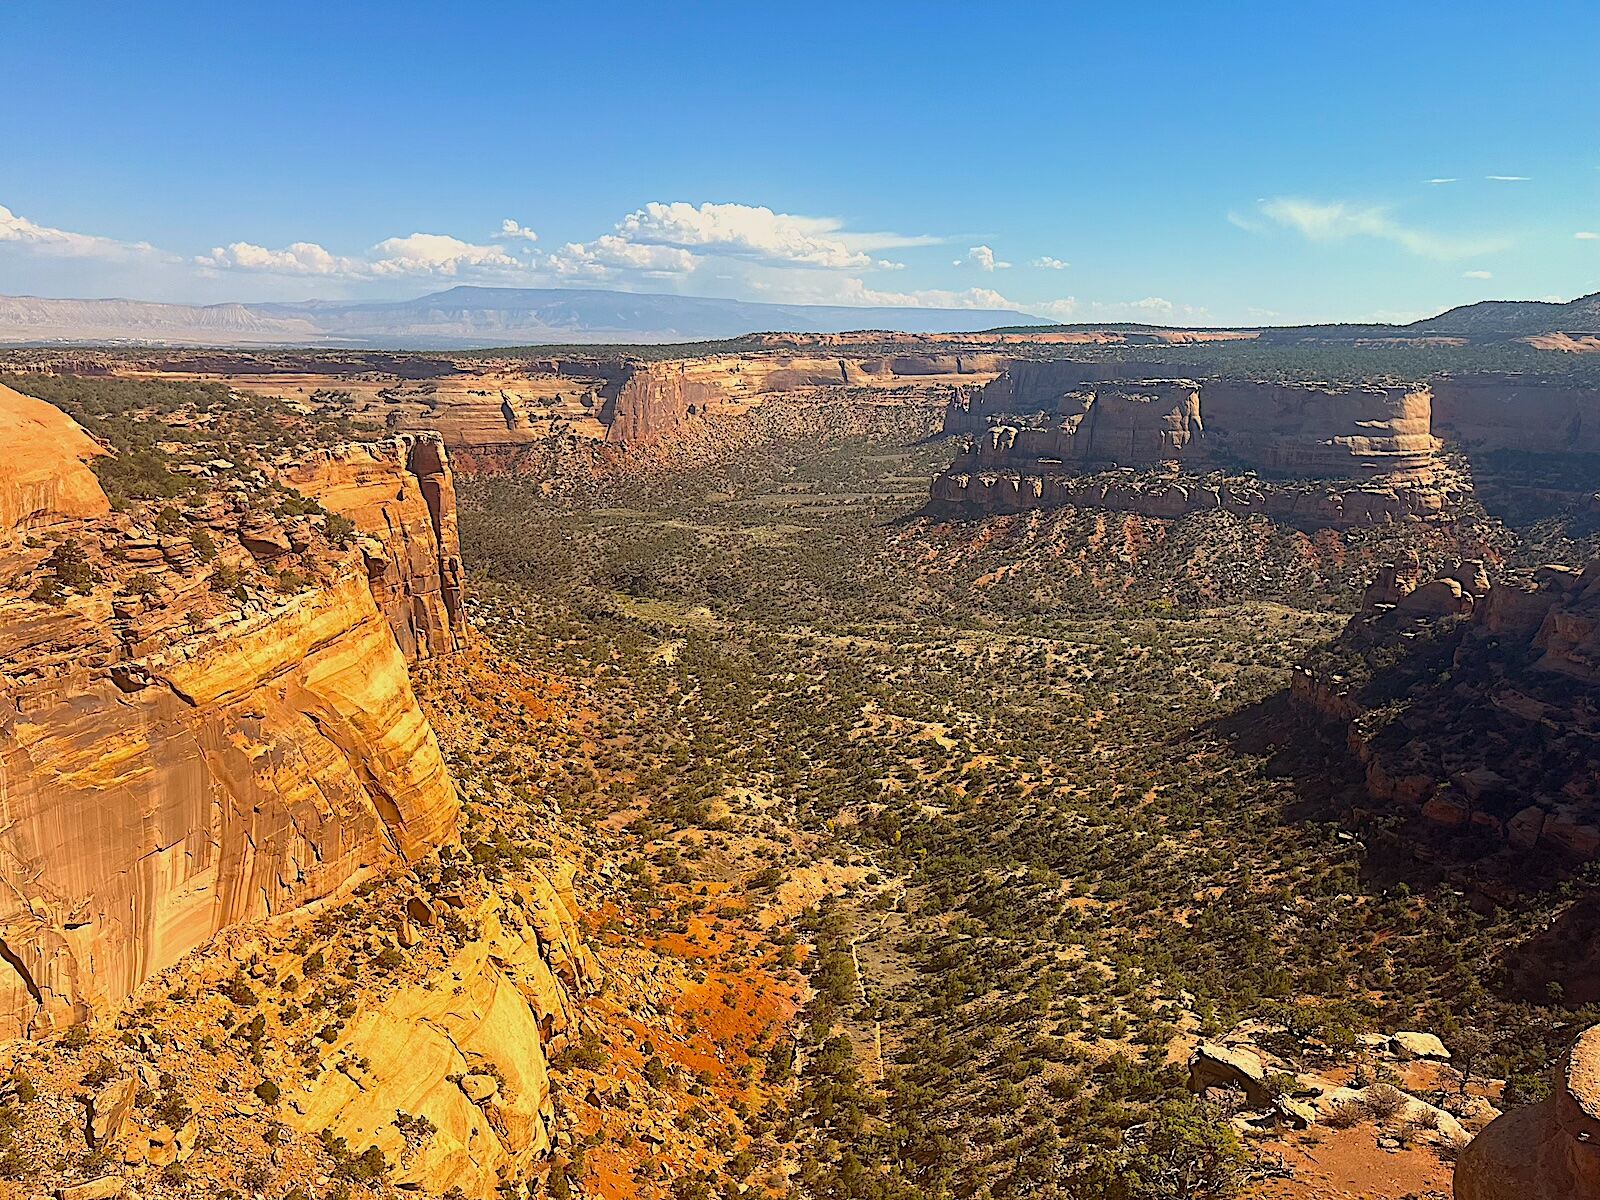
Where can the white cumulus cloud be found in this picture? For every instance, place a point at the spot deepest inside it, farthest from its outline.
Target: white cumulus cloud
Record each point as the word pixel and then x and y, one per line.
pixel 983 258
pixel 297 258
pixel 510 228
pixel 1585 235
pixel 1051 264
pixel 48 240
pixel 1477 274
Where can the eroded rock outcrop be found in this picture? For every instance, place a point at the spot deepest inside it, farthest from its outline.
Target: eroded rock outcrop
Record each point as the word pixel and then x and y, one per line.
pixel 150 800
pixel 401 496
pixel 204 720
pixel 1474 705
pixel 463 1048
pixel 45 479
pixel 1040 433
pixel 1545 1151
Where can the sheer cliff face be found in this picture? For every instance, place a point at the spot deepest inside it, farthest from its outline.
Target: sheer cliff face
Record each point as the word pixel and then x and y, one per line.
pixel 647 401
pixel 1041 426
pixel 165 774
pixel 149 805
pixel 401 496
pixel 1509 412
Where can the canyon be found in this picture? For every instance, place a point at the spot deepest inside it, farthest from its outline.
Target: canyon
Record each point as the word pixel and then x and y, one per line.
pixel 266 791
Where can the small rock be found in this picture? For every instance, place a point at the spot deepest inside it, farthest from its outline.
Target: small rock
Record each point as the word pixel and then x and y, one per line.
pixel 479 1087
pixel 102 1188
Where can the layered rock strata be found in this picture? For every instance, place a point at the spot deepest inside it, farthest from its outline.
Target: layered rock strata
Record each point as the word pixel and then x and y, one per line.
pixel 401 497
pixel 199 730
pixel 1371 447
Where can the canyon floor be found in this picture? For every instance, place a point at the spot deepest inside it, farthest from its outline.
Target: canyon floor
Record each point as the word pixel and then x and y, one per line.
pixel 1028 797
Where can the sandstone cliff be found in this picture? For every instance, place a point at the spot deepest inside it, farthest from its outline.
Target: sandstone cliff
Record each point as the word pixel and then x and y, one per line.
pixel 645 401
pixel 207 727
pixel 46 478
pixel 1038 429
pixel 400 495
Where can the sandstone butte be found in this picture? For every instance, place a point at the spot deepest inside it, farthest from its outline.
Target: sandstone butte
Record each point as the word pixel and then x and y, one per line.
pixel 162 779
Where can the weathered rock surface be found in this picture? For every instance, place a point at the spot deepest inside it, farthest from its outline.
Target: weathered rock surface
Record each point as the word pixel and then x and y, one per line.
pixel 1483 718
pixel 401 495
pixel 222 779
pixel 45 478
pixel 464 1049
pixel 1545 1151
pixel 177 757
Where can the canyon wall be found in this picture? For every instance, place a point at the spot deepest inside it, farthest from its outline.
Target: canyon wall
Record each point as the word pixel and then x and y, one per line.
pixel 401 497
pixel 1512 412
pixel 1368 449
pixel 47 478
pixel 207 729
pixel 645 401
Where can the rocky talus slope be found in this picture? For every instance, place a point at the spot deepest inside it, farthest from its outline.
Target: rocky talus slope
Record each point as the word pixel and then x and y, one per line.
pixel 1471 705
pixel 205 716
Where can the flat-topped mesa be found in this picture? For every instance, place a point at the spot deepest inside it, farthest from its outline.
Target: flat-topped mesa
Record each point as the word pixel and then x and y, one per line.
pixel 207 719
pixel 1037 386
pixel 401 496
pixel 1335 457
pixel 1350 432
pixel 646 401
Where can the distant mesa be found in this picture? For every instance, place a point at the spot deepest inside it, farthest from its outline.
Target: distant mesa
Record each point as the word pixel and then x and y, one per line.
pixel 461 317
pixel 466 317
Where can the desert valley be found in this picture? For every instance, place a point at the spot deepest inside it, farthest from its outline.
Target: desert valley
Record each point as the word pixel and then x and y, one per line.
pixel 1082 761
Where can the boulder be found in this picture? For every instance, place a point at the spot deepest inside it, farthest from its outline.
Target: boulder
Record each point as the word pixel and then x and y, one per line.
pixel 1212 1065
pixel 1407 1044
pixel 108 1111
pixel 1544 1151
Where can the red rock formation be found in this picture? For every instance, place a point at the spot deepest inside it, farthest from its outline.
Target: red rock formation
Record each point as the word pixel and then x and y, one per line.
pixel 400 494
pixel 1492 733
pixel 1544 1151
pixel 177 757
pixel 45 478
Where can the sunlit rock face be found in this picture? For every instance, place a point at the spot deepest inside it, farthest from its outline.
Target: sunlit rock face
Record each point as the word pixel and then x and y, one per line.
pixel 151 801
pixel 401 496
pixel 164 773
pixel 1040 431
pixel 45 478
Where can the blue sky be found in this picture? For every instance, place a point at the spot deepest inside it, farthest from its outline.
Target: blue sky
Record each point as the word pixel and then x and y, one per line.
pixel 1228 163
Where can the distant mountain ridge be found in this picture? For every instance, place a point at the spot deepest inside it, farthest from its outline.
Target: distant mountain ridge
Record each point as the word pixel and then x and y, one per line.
pixel 462 317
